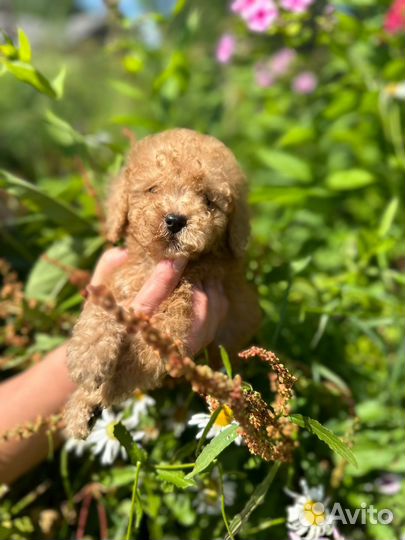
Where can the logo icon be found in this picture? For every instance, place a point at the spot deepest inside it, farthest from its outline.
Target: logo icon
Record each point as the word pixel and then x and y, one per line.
pixel 313 513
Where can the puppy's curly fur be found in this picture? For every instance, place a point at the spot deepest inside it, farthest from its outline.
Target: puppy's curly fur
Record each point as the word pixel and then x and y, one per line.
pixel 187 174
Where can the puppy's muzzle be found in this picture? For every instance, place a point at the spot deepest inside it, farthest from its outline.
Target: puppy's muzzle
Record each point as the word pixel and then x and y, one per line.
pixel 175 222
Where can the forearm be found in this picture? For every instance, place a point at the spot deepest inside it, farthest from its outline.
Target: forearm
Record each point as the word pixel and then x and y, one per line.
pixel 40 391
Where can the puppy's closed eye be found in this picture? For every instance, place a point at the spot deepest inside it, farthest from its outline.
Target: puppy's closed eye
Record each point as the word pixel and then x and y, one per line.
pixel 152 189
pixel 209 202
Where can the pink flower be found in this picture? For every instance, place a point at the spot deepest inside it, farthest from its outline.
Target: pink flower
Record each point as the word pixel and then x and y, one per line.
pixel 395 18
pixel 389 484
pixel 296 6
pixel 243 7
pixel 263 76
pixel 261 16
pixel 225 48
pixel 281 61
pixel 258 14
pixel 305 83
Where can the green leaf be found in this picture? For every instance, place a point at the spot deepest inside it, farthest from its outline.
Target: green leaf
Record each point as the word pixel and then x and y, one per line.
pixel 55 210
pixel 117 477
pixel 285 164
pixel 226 361
pixel 135 452
pixel 59 82
pixel 286 195
pixel 62 131
pixel 213 449
pixel 179 6
pixel 29 75
pixel 325 435
pixel 296 136
pixel 300 264
pixel 331 376
pixel 207 428
pixel 129 90
pixel 46 280
pixel 24 50
pixel 178 478
pixel 349 179
pixel 254 501
pixel 9 51
pixel 388 217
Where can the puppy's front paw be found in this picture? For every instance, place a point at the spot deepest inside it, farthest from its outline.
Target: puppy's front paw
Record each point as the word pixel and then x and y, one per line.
pixel 80 414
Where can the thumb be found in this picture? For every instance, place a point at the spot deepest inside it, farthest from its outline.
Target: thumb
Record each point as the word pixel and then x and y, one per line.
pixel 159 286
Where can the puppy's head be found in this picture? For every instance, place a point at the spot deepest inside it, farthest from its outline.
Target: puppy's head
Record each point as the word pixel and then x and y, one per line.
pixel 181 193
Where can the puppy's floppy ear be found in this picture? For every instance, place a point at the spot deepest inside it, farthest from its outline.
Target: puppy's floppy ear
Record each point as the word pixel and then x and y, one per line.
pixel 238 226
pixel 117 208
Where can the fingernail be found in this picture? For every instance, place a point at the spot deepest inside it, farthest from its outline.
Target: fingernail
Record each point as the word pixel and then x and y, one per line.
pixel 179 263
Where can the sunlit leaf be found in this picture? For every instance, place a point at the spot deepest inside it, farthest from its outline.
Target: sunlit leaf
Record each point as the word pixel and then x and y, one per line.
pixel 388 217
pixel 214 448
pixel 46 279
pixel 286 164
pixel 325 435
pixel 62 131
pixel 179 6
pixel 59 82
pixel 226 361
pixel 296 136
pixel 299 265
pixel 178 478
pixel 134 451
pixel 54 209
pixel 349 179
pixel 28 74
pixel 24 49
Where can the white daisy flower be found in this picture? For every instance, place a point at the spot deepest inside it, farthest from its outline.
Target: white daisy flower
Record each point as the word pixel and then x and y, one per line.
pixel 103 441
pixel 309 517
pixel 222 421
pixel 208 499
pixel 140 404
pixel 395 90
pixel 77 446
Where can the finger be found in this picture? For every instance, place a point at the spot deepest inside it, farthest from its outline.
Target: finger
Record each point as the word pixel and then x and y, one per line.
pixel 108 262
pixel 197 338
pixel 164 279
pixel 215 308
pixel 200 308
pixel 224 303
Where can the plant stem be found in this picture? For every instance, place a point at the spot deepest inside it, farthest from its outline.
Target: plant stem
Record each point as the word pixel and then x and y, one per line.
pixel 64 472
pixel 175 467
pixel 223 511
pixel 211 422
pixel 254 501
pixel 133 501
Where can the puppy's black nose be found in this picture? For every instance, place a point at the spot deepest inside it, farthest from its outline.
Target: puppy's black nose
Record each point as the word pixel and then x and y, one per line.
pixel 175 222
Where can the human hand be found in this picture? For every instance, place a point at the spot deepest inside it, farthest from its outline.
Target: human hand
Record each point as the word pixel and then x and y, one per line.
pixel 209 301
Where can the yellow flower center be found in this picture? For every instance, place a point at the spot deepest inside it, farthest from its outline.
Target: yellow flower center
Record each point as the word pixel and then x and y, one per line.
pixel 225 417
pixel 138 395
pixel 314 513
pixel 391 89
pixel 110 430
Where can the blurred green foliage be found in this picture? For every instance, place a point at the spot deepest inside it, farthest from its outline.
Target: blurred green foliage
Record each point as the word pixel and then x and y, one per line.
pixel 327 255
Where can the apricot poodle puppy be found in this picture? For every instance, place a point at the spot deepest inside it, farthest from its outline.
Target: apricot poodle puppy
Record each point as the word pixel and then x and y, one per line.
pixel 181 193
